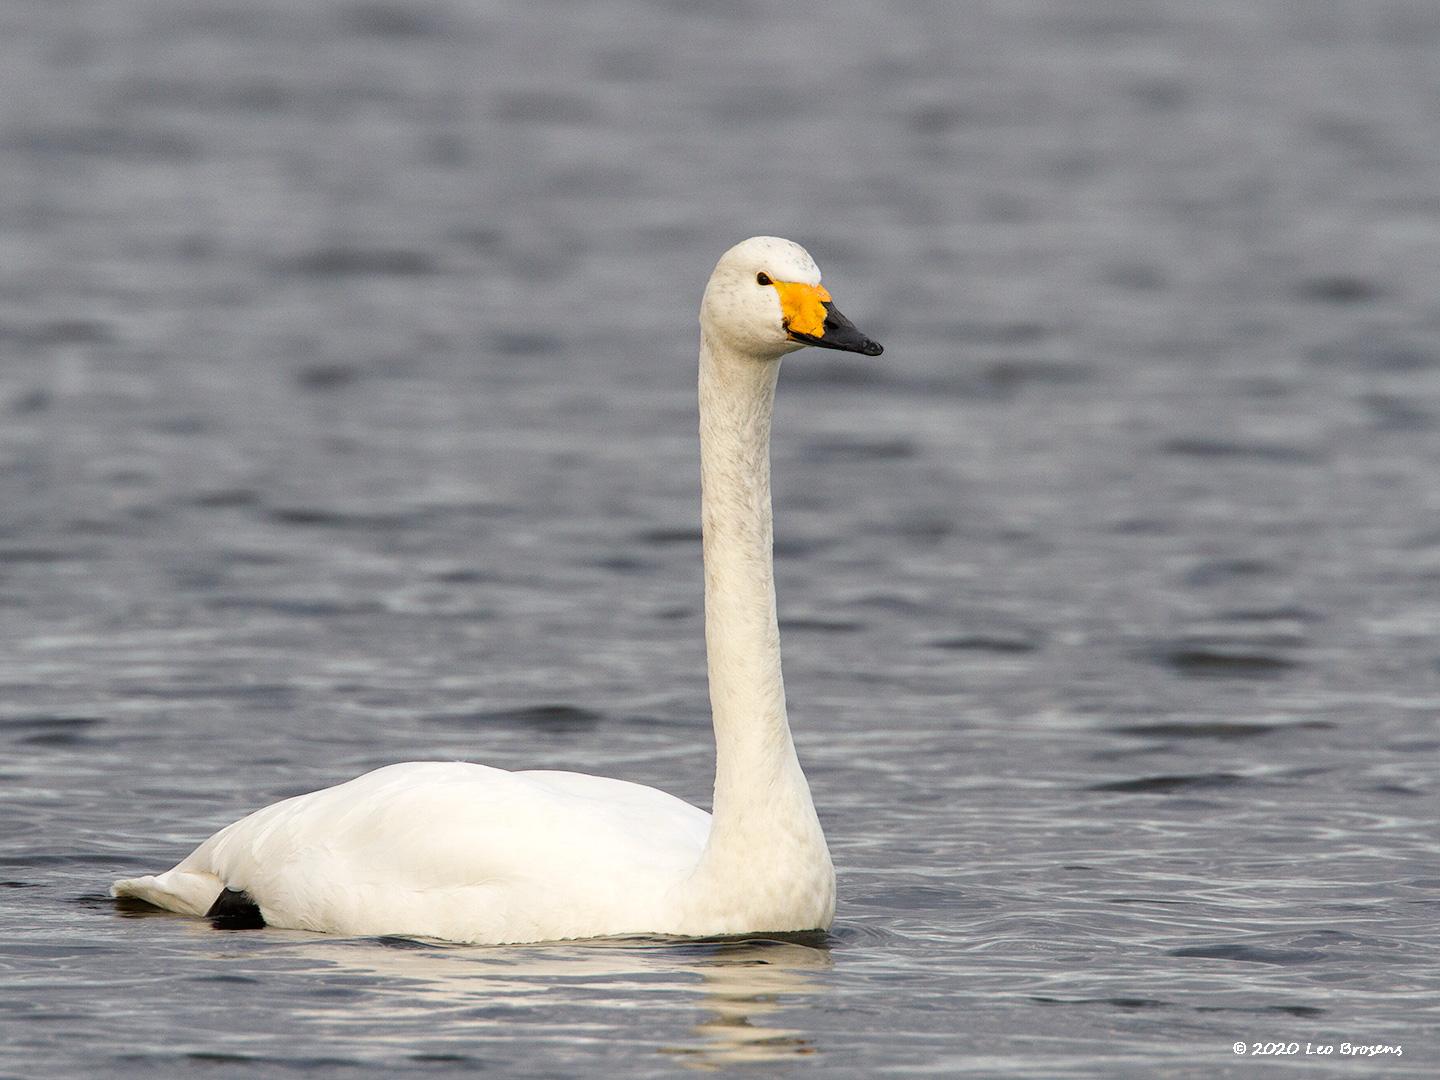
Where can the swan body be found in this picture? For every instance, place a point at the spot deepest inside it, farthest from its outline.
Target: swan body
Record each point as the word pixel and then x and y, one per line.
pixel 469 853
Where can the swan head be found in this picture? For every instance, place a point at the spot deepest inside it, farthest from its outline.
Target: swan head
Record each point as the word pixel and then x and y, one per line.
pixel 765 300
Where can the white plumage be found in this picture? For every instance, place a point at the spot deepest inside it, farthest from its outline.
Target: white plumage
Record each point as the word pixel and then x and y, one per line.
pixel 466 852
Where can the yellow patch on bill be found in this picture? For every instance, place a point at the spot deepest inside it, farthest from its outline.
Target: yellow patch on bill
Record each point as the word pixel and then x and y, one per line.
pixel 803 307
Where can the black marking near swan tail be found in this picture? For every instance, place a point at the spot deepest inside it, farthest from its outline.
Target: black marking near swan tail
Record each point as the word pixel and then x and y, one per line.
pixel 234 910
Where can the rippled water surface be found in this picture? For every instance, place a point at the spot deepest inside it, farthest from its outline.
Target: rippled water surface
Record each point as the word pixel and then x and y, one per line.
pixel 347 416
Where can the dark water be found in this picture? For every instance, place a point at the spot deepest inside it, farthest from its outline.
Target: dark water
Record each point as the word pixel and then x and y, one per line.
pixel 346 416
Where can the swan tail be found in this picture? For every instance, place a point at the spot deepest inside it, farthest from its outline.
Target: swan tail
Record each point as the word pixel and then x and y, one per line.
pixel 190 892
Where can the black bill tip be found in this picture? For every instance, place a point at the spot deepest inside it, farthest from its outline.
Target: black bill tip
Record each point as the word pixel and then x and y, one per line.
pixel 839 333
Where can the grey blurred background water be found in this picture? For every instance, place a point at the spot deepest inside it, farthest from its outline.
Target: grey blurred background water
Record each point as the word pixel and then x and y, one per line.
pixel 347 358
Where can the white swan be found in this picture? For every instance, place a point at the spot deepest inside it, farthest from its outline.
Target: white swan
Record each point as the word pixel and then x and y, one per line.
pixel 470 853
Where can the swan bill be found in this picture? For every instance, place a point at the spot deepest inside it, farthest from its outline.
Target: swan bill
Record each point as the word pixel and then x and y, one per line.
pixel 812 318
pixel 838 332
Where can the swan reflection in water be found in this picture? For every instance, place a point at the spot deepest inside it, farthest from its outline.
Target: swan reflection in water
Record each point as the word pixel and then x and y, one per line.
pixel 441 999
pixel 746 985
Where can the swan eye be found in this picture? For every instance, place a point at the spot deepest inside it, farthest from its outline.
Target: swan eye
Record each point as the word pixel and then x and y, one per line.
pixel 763 278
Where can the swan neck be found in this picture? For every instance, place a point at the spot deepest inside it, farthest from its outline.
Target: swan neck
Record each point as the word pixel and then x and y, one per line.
pixel 765 862
pixel 755 756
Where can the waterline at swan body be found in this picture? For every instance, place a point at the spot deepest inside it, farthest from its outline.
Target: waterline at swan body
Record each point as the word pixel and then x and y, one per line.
pixel 469 853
